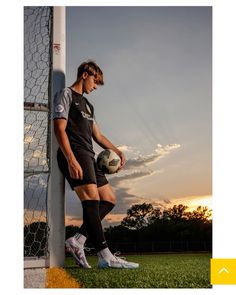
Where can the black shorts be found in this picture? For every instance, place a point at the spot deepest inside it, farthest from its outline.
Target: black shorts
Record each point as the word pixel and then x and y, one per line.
pixel 91 173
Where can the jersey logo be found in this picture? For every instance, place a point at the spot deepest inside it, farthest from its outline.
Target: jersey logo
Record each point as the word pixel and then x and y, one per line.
pixel 59 108
pixel 86 116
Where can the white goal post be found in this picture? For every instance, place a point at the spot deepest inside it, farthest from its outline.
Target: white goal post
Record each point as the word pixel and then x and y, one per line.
pixel 44 186
pixel 56 188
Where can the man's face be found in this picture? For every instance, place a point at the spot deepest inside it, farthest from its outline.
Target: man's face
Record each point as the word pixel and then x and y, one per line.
pixel 89 84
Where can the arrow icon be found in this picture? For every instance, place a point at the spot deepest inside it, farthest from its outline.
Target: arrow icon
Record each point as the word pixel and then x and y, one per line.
pixel 223 269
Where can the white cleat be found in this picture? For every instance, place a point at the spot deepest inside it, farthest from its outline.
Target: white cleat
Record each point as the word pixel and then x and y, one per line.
pixel 116 262
pixel 77 250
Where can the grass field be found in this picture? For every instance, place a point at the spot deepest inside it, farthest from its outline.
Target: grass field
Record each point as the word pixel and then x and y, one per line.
pixel 155 271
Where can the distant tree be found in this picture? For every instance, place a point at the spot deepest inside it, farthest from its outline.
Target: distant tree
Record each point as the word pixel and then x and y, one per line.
pixel 201 213
pixel 145 224
pixel 155 215
pixel 138 216
pixel 176 213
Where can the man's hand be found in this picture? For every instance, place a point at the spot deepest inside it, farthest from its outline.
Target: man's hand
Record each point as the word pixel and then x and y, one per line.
pixel 123 160
pixel 75 169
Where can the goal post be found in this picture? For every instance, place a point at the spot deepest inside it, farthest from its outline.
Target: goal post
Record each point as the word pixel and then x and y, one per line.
pixel 56 187
pixel 44 186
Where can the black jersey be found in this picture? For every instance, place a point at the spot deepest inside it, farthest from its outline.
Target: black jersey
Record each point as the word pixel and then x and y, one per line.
pixel 79 113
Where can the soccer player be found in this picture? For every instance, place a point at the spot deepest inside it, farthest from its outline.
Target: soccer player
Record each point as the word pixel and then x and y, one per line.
pixel 75 127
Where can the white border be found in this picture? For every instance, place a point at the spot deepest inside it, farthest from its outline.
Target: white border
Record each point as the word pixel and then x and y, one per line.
pixel 121 3
pixel 224 144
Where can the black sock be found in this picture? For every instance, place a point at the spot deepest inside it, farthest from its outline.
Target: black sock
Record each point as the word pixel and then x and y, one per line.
pixel 93 224
pixel 104 208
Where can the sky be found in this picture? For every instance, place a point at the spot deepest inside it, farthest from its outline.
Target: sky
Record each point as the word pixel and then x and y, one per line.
pixel 156 104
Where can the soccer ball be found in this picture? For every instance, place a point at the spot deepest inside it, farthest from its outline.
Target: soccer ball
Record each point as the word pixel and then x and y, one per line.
pixel 108 161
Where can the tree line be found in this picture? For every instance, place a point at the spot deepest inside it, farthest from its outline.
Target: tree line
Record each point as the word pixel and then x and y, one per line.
pixel 169 229
pixel 145 228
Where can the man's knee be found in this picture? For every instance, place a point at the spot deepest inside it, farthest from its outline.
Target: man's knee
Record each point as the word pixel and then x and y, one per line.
pixel 111 198
pixel 87 192
pixel 106 194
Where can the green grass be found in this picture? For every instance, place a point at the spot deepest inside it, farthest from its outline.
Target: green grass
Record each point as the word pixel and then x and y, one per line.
pixel 155 271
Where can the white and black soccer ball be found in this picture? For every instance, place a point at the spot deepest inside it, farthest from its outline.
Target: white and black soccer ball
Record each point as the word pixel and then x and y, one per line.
pixel 108 161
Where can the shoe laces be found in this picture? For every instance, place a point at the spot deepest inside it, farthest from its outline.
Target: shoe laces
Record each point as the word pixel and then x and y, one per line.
pixel 118 257
pixel 88 249
pixel 80 247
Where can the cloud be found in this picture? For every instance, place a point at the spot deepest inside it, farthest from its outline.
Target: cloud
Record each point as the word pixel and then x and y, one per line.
pixel 141 162
pixel 113 219
pixel 125 148
pixel 35 191
pixel 115 181
pixel 194 201
pixel 125 199
pixel 34 215
pixel 159 153
pixel 73 220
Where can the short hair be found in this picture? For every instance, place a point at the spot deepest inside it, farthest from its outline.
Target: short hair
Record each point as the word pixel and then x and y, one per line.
pixel 92 69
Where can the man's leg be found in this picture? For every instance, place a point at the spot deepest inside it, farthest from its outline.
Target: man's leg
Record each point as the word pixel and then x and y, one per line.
pixel 107 203
pixel 89 196
pixel 105 259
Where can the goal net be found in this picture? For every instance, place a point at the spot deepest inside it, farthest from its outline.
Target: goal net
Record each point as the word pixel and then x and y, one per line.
pixel 37 73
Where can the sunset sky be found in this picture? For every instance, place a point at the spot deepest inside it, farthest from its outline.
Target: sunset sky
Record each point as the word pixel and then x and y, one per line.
pixel 156 101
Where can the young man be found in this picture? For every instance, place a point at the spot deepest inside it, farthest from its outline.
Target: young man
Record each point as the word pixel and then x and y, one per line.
pixel 75 127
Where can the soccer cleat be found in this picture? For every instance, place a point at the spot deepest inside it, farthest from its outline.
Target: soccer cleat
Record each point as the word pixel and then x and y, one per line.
pixel 116 262
pixel 77 250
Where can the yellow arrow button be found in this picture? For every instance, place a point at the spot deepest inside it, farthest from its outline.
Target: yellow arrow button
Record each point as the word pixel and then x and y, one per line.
pixel 223 271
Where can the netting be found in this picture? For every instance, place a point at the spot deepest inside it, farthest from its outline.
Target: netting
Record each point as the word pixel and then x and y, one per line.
pixel 37 64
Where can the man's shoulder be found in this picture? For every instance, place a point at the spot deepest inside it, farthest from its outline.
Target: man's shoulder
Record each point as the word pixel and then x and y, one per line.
pixel 62 102
pixel 64 94
pixel 67 91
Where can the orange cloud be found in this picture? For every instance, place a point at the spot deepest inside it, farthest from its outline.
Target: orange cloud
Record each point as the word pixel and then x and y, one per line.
pixel 194 201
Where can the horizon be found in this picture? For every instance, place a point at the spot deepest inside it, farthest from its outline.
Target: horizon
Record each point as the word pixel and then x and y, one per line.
pixel 112 219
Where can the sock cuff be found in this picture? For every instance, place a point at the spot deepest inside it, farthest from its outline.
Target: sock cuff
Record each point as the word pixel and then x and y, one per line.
pixel 90 203
pixel 107 203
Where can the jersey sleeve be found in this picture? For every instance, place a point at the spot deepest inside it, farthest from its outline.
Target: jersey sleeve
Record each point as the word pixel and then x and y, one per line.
pixel 62 102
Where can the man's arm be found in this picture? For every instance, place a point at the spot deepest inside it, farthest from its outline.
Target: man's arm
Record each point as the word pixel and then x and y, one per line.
pixel 101 140
pixel 62 138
